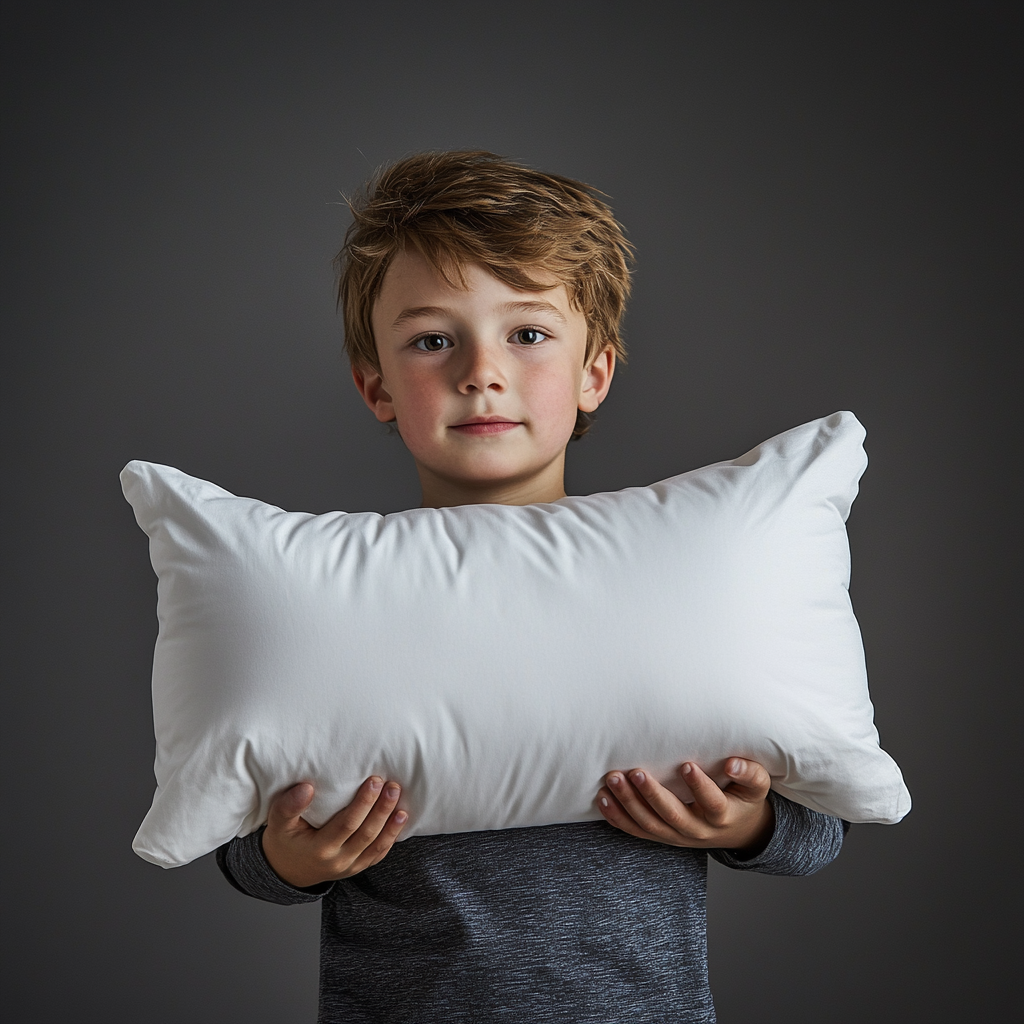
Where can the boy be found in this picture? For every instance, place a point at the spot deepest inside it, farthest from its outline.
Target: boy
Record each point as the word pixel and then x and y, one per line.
pixel 482 303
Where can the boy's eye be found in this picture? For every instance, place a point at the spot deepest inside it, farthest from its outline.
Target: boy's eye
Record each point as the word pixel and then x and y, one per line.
pixel 432 343
pixel 529 336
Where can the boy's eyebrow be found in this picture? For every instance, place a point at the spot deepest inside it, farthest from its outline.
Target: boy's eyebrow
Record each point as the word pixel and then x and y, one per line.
pixel 415 312
pixel 534 306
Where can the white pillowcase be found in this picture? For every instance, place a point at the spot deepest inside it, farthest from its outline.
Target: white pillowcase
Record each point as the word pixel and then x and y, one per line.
pixel 499 660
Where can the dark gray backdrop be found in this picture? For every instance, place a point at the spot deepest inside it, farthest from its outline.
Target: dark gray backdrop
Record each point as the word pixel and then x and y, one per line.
pixel 825 204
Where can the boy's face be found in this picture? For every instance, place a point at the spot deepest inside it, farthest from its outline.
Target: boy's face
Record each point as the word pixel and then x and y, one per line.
pixel 483 383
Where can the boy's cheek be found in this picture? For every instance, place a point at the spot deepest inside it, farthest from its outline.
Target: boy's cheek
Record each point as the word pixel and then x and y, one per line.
pixel 420 417
pixel 555 414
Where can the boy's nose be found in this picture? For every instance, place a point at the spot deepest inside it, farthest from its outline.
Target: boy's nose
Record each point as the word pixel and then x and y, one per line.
pixel 481 370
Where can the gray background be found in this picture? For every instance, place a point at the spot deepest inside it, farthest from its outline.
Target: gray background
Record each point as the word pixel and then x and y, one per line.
pixel 826 205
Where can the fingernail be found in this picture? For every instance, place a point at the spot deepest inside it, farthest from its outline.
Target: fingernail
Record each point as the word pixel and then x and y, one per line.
pixel 687 768
pixel 375 784
pixel 639 778
pixel 391 792
pixel 615 780
pixel 604 801
pixel 401 817
pixel 735 766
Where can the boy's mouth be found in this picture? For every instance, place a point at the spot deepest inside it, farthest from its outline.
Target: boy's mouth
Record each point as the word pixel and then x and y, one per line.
pixel 485 425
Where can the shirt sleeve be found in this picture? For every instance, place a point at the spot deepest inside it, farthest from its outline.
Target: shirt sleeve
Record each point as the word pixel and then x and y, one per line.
pixel 803 842
pixel 244 865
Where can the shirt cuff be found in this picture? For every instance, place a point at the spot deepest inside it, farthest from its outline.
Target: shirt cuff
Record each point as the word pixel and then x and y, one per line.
pixel 245 866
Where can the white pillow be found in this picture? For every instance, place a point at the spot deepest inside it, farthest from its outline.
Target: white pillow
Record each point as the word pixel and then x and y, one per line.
pixel 499 660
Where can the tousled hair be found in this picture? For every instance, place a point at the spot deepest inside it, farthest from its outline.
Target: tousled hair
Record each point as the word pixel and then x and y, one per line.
pixel 463 207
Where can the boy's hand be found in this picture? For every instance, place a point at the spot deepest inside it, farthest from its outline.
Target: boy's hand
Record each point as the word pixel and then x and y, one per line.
pixel 356 838
pixel 738 817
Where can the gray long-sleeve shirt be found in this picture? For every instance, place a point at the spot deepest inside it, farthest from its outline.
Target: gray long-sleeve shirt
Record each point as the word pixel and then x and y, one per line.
pixel 566 923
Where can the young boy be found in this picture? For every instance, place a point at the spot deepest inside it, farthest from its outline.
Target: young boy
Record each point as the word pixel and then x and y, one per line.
pixel 482 303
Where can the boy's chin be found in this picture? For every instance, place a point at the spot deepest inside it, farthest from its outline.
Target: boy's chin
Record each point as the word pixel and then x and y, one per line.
pixel 498 481
pixel 492 469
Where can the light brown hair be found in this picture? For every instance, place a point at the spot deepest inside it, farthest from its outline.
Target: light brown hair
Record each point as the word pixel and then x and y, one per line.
pixel 472 206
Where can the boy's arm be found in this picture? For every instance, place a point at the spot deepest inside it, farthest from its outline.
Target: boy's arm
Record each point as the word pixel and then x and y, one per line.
pixel 744 826
pixel 290 861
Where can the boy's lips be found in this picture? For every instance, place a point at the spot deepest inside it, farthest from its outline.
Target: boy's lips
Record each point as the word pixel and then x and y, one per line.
pixel 485 425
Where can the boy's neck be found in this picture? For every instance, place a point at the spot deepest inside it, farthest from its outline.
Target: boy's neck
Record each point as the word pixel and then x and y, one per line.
pixel 538 488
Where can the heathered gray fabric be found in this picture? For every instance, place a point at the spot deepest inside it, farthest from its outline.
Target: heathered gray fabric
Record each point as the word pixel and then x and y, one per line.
pixel 566 923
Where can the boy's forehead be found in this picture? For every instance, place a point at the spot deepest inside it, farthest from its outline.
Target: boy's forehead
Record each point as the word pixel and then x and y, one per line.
pixel 412 282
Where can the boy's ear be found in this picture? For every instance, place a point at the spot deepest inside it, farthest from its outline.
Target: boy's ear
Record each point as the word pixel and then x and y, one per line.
pixel 371 386
pixel 597 379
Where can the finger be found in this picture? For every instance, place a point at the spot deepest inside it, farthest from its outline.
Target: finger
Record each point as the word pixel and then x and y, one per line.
pixel 342 826
pixel 614 814
pixel 375 821
pixel 381 846
pixel 706 794
pixel 667 806
pixel 286 807
pixel 633 803
pixel 751 779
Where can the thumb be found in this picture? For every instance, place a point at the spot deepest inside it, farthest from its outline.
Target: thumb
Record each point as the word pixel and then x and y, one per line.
pixel 287 806
pixel 749 776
